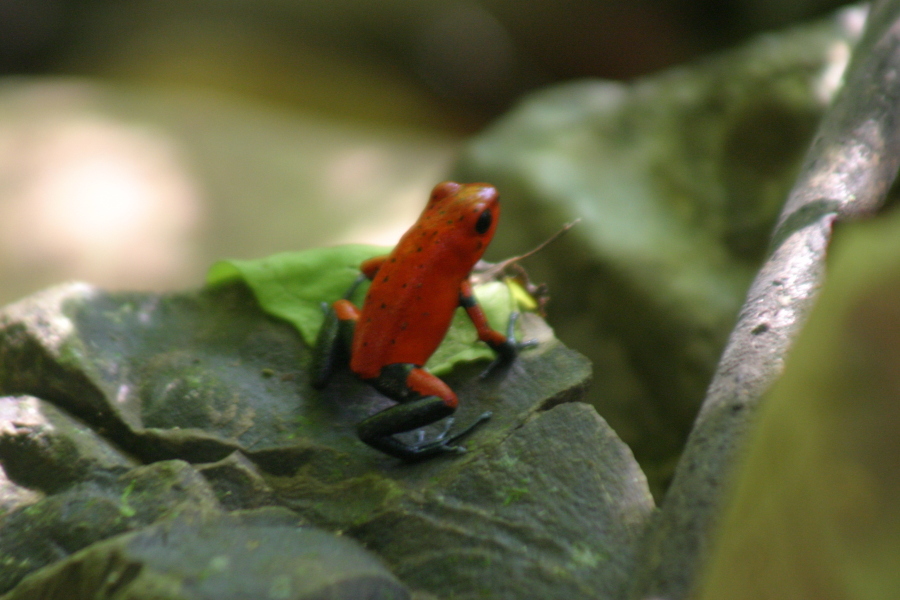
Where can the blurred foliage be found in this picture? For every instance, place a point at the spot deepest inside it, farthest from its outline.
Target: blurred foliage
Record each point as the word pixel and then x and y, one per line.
pixel 447 63
pixel 280 107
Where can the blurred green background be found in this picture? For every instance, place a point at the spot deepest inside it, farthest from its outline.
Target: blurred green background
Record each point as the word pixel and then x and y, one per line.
pixel 447 64
pixel 141 140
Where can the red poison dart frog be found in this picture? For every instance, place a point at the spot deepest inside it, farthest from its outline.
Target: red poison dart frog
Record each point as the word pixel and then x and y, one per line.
pixel 414 293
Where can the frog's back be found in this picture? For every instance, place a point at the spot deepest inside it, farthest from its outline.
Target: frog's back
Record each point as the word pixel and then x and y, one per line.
pixel 415 293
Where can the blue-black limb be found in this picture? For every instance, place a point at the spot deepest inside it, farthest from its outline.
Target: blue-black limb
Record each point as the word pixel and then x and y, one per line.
pixel 333 340
pixel 378 430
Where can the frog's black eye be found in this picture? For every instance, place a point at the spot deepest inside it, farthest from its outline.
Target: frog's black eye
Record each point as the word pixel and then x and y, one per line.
pixel 484 222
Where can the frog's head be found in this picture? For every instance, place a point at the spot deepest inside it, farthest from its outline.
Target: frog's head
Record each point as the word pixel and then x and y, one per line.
pixel 464 214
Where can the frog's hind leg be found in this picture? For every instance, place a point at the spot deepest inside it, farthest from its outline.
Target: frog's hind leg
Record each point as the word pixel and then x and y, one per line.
pixel 424 399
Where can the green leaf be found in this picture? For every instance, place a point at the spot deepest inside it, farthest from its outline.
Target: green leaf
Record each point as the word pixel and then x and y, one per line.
pixel 461 343
pixel 293 286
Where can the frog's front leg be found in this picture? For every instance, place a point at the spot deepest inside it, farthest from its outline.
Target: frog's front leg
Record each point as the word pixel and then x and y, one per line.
pixel 334 340
pixel 422 400
pixel 336 333
pixel 505 346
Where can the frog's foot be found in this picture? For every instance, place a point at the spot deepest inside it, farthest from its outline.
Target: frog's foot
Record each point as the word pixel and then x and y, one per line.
pixel 379 429
pixel 420 434
pixel 466 431
pixel 509 349
pixel 443 444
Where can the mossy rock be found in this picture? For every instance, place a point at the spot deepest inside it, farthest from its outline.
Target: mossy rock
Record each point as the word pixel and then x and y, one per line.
pixel 208 381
